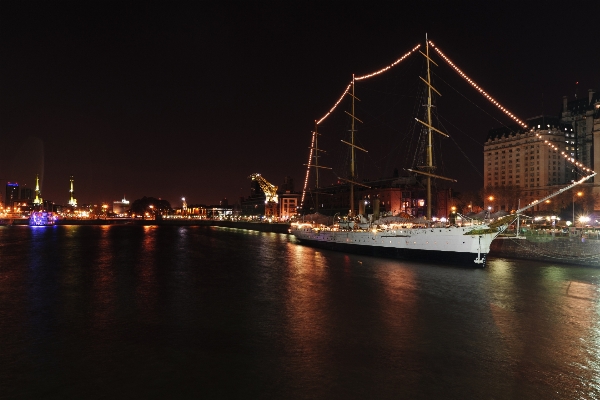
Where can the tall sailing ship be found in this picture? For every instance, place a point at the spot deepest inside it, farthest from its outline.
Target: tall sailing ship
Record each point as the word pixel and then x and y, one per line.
pixel 422 240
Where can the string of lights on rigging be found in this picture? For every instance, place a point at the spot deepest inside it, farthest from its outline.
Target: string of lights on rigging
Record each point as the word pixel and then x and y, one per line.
pixel 463 75
pixel 310 154
pixel 571 160
pixel 477 87
pixel 360 78
pixel 346 91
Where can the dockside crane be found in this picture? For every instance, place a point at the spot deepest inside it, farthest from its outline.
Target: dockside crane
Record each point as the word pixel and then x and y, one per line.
pixel 271 198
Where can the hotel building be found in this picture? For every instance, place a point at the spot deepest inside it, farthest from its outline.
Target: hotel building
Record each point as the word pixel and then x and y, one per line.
pixel 520 168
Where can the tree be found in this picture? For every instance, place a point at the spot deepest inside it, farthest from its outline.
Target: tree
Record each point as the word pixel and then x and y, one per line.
pixel 146 204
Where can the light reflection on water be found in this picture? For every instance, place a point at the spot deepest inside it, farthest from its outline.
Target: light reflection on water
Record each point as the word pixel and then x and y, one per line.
pixel 101 311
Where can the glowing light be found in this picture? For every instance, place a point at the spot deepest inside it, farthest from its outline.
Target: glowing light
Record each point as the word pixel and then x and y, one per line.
pixel 336 104
pixel 366 77
pixel 381 71
pixel 477 87
pixel 571 160
pixel 310 154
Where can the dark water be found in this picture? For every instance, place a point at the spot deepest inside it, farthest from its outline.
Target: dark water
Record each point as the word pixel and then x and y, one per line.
pixel 100 312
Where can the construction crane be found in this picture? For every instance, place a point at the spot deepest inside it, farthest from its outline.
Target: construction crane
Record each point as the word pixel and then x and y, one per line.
pixel 270 191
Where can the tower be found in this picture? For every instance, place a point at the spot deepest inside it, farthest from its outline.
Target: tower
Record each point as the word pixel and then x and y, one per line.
pixel 38 194
pixel 72 201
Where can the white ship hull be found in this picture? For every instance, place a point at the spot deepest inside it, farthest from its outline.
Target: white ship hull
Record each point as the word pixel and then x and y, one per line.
pixel 449 244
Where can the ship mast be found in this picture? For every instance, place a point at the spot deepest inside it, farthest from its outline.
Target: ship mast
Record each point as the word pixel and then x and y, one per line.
pixel 352 153
pixel 428 169
pixel 316 149
pixel 353 146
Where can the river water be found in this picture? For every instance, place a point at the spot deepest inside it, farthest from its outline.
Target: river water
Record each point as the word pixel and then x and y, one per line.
pixel 104 312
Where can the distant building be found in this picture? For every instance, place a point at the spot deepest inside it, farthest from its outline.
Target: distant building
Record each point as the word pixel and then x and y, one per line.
pixel 394 195
pixel 12 194
pixel 196 210
pixel 584 117
pixel 288 204
pixel 288 185
pixel 26 194
pixel 254 205
pixel 121 207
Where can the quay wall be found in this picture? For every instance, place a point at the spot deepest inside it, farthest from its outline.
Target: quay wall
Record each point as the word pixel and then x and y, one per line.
pixel 576 250
pixel 256 226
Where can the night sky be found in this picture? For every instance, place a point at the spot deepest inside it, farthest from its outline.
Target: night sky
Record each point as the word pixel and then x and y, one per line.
pixel 172 99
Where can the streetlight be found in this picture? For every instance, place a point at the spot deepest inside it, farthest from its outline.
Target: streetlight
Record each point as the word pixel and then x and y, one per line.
pixel 579 194
pixel 491 199
pixel 453 215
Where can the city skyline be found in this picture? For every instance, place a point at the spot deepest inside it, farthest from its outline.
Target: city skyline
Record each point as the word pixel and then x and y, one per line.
pixel 174 101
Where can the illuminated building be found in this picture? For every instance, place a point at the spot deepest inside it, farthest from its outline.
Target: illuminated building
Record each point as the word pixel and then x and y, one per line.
pixel 288 204
pixel 584 116
pixel 72 201
pixel 520 166
pixel 270 200
pixel 121 207
pixel 529 163
pixel 38 194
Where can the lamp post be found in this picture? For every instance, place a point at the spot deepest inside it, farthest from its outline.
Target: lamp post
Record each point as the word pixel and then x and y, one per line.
pixel 579 194
pixel 491 199
pixel 453 216
pixel 490 206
